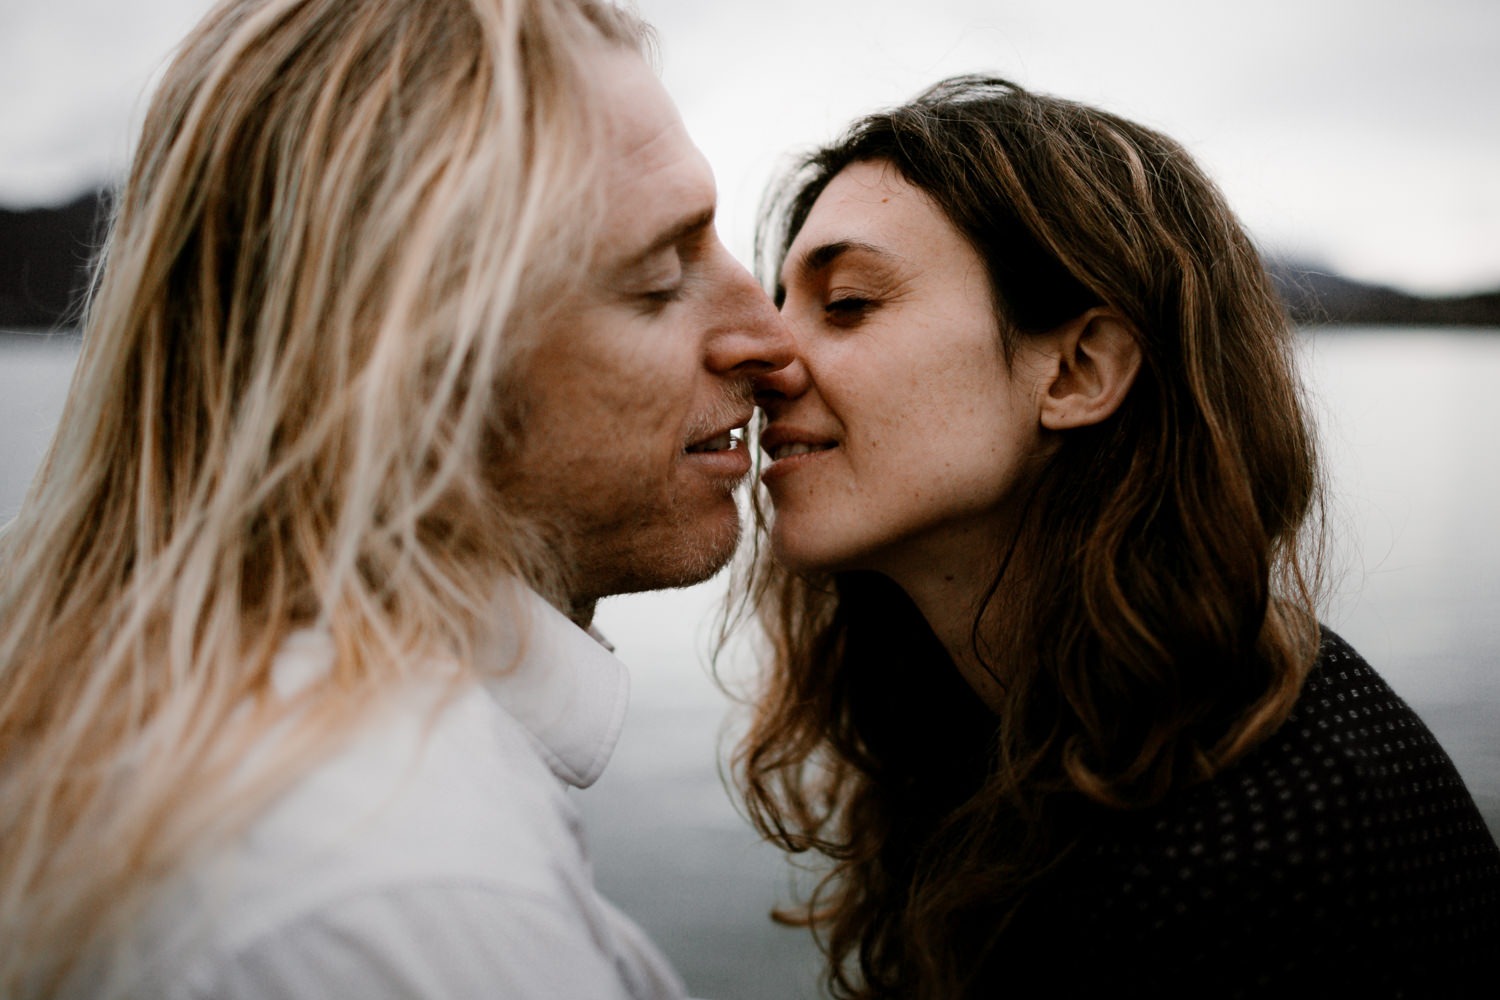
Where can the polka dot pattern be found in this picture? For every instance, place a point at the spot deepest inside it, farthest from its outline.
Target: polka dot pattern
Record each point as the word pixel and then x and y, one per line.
pixel 1342 857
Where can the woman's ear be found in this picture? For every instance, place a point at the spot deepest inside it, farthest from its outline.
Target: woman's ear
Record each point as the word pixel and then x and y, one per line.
pixel 1094 357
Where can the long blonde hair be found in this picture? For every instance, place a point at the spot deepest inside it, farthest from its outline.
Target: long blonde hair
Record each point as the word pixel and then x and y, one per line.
pixel 340 222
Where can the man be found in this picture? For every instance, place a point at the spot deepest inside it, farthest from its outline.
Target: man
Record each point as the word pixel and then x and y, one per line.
pixel 636 395
pixel 414 340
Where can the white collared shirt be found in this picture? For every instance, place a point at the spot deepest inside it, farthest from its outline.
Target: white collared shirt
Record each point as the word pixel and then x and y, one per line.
pixel 433 857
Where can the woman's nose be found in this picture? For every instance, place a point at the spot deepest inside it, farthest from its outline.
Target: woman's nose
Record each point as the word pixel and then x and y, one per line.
pixel 774 387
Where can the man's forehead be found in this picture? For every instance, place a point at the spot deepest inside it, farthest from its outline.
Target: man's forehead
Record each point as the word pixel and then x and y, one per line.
pixel 650 145
pixel 661 188
pixel 640 118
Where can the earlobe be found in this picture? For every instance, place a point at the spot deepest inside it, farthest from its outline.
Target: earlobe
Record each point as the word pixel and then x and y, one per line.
pixel 1095 359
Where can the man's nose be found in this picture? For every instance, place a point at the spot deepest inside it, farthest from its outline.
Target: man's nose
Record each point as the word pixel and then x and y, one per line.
pixel 753 339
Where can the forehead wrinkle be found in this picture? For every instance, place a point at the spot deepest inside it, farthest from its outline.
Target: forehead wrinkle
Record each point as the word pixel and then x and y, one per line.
pixel 667 147
pixel 644 145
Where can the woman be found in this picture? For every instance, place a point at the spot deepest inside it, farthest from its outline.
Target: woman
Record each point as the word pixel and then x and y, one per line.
pixel 277 718
pixel 1047 691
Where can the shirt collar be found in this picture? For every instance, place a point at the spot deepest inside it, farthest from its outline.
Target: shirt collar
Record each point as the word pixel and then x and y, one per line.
pixel 562 684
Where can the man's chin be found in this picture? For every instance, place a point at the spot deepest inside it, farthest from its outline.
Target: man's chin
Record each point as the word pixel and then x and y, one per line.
pixel 681 560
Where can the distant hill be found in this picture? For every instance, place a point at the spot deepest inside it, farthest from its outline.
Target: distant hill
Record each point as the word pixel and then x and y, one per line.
pixel 45 255
pixel 1315 297
pixel 44 262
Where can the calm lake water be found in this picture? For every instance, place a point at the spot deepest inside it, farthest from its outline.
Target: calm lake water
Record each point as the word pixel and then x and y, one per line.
pixel 1408 421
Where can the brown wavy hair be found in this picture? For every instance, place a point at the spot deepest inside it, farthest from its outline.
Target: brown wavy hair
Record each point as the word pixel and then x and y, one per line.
pixel 1158 599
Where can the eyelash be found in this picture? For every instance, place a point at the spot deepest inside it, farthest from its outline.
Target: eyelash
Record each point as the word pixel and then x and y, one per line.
pixel 661 297
pixel 848 310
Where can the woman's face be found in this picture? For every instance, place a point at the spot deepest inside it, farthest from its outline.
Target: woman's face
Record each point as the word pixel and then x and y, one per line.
pixel 898 439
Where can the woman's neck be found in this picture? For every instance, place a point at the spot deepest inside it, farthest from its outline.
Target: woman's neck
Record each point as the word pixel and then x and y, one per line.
pixel 950 594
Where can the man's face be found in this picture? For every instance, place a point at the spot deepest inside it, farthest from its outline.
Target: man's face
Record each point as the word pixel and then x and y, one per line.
pixel 638 391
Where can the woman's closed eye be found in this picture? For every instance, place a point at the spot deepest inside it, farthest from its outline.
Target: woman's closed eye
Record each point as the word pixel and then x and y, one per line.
pixel 848 309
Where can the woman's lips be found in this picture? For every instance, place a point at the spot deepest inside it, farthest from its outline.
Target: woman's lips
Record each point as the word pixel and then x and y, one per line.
pixel 792 449
pixel 789 449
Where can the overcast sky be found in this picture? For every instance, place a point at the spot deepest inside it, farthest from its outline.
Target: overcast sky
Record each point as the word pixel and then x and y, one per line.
pixel 1361 134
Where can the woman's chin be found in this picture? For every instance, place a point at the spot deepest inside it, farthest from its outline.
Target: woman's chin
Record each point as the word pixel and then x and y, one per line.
pixel 810 553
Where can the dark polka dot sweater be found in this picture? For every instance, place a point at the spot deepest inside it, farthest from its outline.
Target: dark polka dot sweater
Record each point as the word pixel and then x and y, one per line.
pixel 1342 857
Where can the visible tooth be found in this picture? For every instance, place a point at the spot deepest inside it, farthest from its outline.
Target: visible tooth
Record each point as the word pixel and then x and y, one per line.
pixel 791 450
pixel 720 443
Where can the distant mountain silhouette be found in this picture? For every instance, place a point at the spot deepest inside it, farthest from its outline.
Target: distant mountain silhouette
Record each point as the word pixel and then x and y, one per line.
pixel 45 255
pixel 1315 296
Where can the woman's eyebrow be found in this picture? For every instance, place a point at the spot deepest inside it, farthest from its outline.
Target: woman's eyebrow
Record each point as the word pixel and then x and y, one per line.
pixel 821 257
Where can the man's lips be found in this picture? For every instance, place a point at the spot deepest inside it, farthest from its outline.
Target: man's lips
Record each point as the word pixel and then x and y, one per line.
pixel 724 440
pixel 721 452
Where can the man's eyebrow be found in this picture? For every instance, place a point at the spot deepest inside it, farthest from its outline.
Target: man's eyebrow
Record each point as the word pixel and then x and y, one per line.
pixel 680 231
